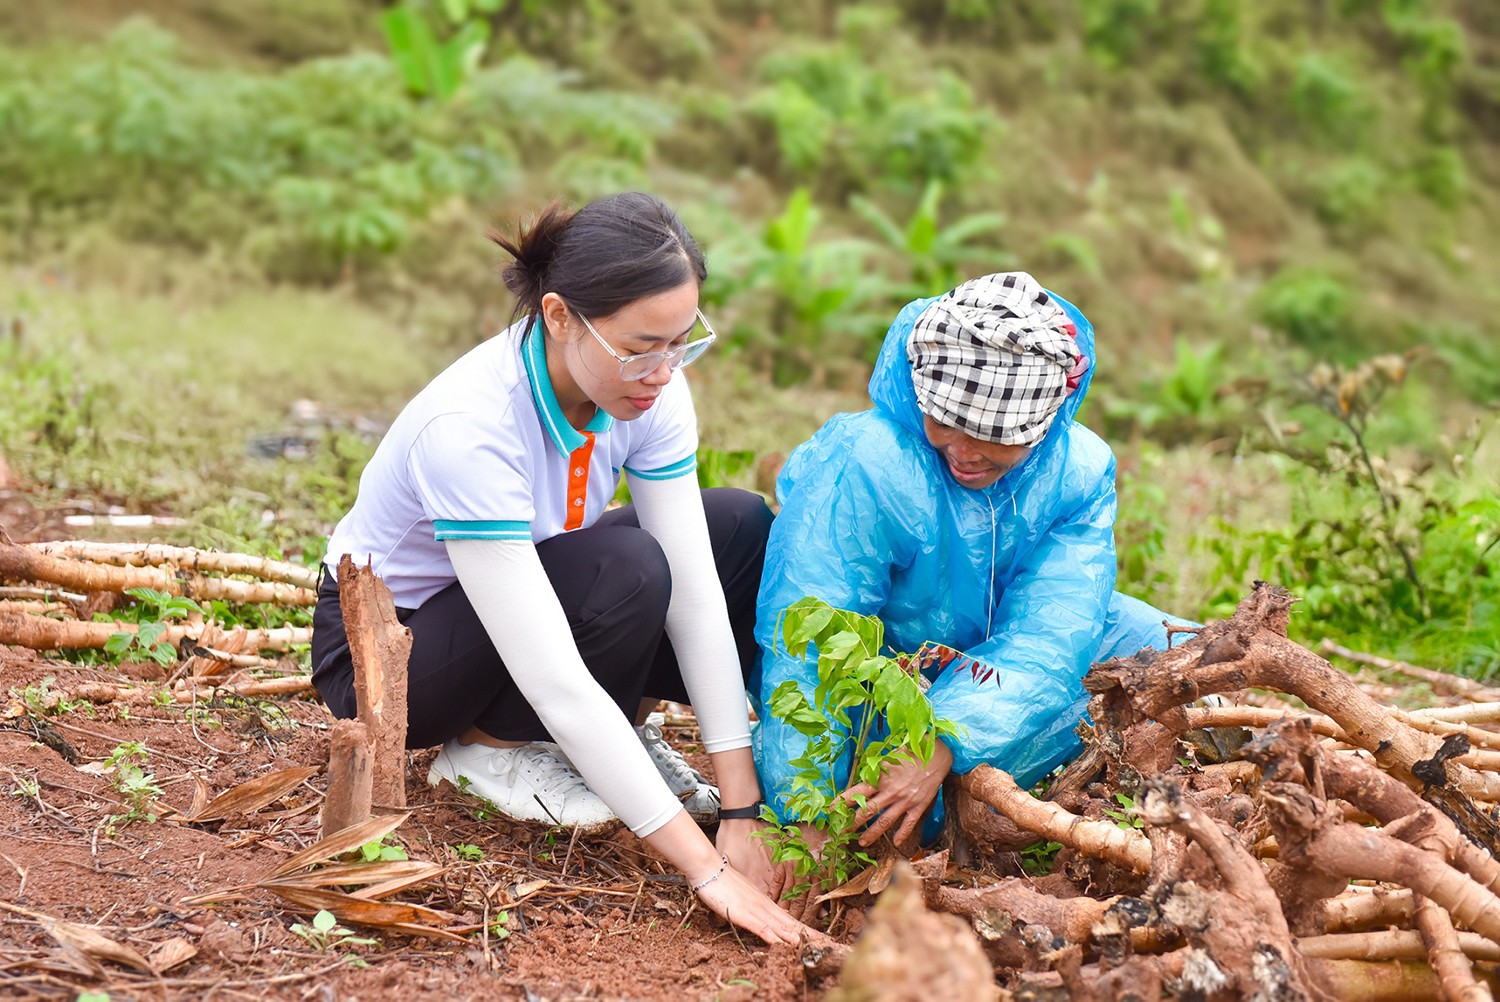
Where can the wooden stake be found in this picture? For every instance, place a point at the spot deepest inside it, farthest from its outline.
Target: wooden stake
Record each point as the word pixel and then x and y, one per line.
pixel 347 802
pixel 379 646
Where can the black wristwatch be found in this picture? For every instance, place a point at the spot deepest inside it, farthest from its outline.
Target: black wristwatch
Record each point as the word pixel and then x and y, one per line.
pixel 750 813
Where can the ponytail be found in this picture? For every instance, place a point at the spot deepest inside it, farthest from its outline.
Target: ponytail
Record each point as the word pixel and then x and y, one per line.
pixel 532 251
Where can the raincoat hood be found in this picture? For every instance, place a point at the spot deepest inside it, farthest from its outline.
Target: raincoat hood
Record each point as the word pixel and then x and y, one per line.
pixel 892 393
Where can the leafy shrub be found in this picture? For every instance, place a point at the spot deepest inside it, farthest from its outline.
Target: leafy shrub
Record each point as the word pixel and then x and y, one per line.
pixel 1350 193
pixel 326 165
pixel 1311 307
pixel 1440 174
pixel 1114 29
pixel 1327 100
pixel 837 109
pixel 809 291
pixel 936 256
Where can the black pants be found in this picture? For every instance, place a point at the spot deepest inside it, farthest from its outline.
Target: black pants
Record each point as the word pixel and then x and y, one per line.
pixel 613 582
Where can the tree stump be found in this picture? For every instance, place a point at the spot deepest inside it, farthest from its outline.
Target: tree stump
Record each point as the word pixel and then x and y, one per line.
pixel 347 802
pixel 380 647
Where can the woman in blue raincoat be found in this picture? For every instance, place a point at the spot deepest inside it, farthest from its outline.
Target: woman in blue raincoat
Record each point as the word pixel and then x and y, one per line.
pixel 966 508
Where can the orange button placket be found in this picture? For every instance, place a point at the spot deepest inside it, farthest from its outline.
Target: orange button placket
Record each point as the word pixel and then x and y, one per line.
pixel 578 482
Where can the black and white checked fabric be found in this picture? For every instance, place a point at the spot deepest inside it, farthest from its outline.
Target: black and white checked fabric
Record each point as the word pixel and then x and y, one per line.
pixel 992 359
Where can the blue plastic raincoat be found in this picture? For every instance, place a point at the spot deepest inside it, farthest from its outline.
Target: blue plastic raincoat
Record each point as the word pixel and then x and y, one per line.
pixel 1019 575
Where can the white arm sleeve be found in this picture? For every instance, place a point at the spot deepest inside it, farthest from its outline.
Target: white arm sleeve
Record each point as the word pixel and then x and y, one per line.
pixel 506 584
pixel 697 617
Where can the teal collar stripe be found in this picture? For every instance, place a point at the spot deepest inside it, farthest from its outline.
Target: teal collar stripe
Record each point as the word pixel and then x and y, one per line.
pixel 563 435
pixel 443 528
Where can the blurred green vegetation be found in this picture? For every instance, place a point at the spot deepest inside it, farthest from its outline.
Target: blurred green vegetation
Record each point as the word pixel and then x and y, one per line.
pixel 210 211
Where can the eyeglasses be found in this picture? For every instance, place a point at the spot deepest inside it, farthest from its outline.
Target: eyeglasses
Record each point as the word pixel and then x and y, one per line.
pixel 633 367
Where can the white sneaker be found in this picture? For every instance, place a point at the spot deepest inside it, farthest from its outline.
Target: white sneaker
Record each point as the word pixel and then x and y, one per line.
pixel 698 796
pixel 529 783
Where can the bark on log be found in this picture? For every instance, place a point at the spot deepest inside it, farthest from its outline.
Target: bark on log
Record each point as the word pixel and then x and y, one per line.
pixel 380 647
pixel 1441 681
pixel 347 802
pixel 1288 752
pixel 109 692
pixel 22 564
pixel 909 954
pixel 1349 980
pixel 1360 909
pixel 1390 944
pixel 43 634
pixel 1250 939
pixel 1101 839
pixel 187 558
pixel 1446 955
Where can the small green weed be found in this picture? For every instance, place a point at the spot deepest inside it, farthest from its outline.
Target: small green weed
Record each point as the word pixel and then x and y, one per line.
pixel 378 851
pixel 127 767
pixel 40 702
pixel 326 934
pixel 500 925
pixel 153 611
pixel 1038 860
pixel 468 853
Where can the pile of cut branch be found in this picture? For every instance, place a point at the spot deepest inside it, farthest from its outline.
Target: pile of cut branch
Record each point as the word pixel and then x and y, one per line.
pixel 53 594
pixel 1346 851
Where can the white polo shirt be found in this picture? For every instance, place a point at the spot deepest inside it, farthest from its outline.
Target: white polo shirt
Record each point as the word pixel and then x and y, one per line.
pixel 484 452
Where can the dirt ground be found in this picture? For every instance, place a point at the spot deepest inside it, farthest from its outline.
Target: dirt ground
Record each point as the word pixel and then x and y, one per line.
pixel 596 917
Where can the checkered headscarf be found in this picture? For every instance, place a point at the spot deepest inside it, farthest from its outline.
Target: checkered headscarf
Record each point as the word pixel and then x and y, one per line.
pixel 995 358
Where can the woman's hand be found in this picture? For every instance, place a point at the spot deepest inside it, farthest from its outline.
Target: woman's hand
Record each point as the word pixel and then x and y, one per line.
pixel 748 854
pixel 733 897
pixel 906 790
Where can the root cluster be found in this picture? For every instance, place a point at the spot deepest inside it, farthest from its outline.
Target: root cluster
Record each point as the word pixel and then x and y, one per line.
pixel 1342 853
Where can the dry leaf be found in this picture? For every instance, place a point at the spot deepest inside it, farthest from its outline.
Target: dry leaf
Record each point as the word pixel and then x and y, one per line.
pixel 94 944
pixel 348 908
pixel 201 796
pixel 253 794
pixel 857 884
pixel 360 874
pixel 170 954
pixel 339 843
pixel 883 870
pixel 515 893
pixel 395 886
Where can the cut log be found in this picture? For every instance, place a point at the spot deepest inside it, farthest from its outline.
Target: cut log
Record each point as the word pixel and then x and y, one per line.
pixel 24 564
pixel 43 634
pixel 347 802
pixel 1100 839
pixel 380 647
pixel 187 558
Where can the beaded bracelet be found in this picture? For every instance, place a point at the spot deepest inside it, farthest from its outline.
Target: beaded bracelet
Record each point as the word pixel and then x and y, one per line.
pixel 723 862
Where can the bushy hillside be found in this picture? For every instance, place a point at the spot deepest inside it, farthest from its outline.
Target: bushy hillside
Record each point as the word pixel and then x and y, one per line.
pixel 1251 200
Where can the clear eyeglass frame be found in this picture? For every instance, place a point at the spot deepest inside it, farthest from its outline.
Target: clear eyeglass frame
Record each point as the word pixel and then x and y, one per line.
pixel 634 367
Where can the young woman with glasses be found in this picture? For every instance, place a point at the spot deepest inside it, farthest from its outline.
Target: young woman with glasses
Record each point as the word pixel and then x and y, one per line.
pixel 544 626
